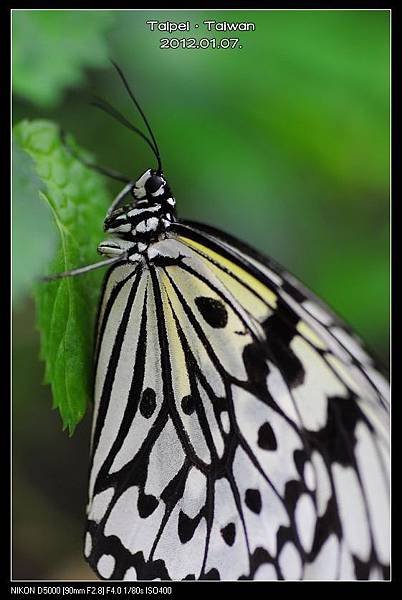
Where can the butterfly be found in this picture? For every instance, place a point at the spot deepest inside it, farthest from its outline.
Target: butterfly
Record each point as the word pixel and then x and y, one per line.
pixel 240 428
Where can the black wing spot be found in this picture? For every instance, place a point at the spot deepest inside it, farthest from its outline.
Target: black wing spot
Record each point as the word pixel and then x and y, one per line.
pixel 337 439
pixel 362 569
pixel 253 500
pixel 188 405
pixel 146 505
pixel 148 403
pixel 186 527
pixel 212 574
pixel 229 533
pixel 300 458
pixel 293 490
pixel 266 437
pixel 280 330
pixel 254 358
pixel 213 311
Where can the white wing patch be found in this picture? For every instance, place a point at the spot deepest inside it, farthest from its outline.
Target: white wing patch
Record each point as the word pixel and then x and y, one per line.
pixel 106 565
pixel 375 489
pixel 175 553
pixel 325 565
pixel 290 562
pixel 141 532
pixel 162 470
pixel 100 504
pixel 352 511
pixel 271 438
pixel 227 549
pixel 305 517
pixel 263 508
pixel 319 383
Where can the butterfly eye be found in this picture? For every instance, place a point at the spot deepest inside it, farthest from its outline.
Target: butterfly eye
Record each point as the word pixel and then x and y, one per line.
pixel 154 184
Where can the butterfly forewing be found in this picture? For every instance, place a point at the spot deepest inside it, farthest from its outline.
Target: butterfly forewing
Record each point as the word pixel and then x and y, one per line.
pixel 240 429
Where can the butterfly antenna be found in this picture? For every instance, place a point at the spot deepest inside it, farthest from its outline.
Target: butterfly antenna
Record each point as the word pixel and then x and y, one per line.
pixel 133 98
pixel 113 112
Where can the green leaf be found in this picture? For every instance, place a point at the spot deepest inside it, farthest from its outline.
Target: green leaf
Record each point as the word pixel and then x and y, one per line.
pixel 52 48
pixel 34 236
pixel 66 308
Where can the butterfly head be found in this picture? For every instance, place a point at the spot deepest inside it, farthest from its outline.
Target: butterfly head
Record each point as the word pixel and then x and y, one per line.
pixel 152 192
pixel 150 187
pixel 149 215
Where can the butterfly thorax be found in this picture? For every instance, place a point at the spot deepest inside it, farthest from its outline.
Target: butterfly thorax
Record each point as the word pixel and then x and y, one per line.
pixel 142 221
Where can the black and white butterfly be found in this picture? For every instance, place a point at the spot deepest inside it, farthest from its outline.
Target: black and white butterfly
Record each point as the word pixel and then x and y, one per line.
pixel 240 429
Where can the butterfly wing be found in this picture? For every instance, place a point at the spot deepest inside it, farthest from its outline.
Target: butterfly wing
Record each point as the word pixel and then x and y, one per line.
pixel 235 434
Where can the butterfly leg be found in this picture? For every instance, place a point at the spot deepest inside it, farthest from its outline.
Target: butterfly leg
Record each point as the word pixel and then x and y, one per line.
pixel 117 250
pixel 120 196
pixel 82 270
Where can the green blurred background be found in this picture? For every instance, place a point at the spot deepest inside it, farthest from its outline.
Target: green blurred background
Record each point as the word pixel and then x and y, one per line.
pixel 284 143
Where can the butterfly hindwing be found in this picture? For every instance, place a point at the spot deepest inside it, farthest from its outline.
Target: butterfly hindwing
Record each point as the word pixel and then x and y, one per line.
pixel 239 427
